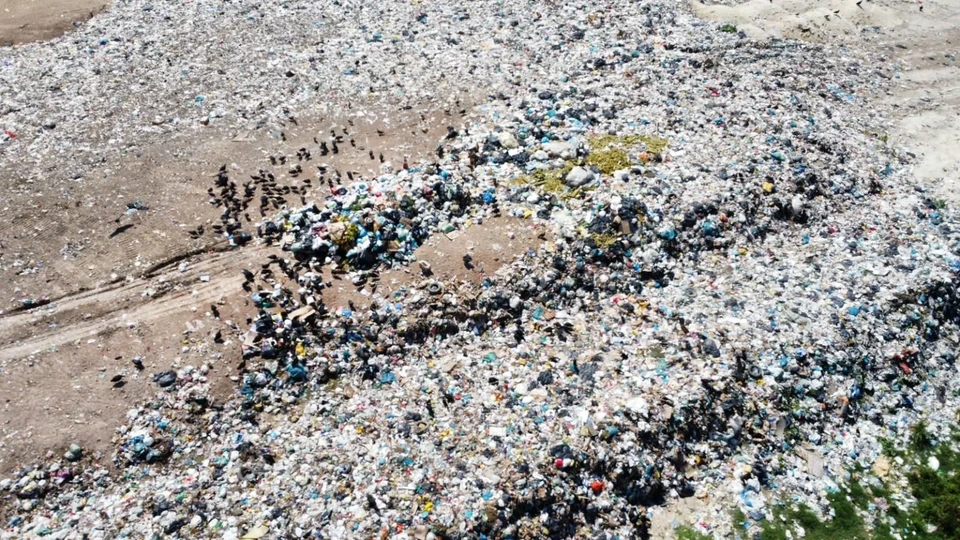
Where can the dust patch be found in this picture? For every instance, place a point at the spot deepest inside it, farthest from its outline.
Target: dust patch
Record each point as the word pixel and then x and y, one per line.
pixel 825 20
pixel 24 21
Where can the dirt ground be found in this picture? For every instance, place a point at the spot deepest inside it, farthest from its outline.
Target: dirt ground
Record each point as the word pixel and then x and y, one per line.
pixel 147 291
pixel 23 21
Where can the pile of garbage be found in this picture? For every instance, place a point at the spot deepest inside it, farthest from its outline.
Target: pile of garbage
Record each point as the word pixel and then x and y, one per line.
pixel 743 292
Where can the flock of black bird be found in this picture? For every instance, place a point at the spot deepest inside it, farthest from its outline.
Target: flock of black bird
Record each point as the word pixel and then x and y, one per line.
pixel 226 194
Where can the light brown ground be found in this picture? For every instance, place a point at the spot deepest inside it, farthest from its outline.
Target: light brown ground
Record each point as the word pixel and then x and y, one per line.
pixel 116 298
pixel 23 21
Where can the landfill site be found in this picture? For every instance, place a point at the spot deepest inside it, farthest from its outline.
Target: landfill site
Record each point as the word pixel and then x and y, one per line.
pixel 409 269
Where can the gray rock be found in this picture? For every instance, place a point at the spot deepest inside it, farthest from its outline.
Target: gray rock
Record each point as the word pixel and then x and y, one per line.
pixel 564 149
pixel 508 141
pixel 579 177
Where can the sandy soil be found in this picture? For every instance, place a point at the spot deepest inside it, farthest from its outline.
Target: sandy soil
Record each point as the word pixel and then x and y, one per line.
pixel 22 21
pixel 59 360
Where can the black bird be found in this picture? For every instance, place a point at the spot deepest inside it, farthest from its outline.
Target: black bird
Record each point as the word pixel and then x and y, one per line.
pixel 371 155
pixel 121 229
pixel 336 150
pixel 116 378
pixel 215 311
pixel 138 363
pixel 380 133
pixel 381 157
pixel 353 143
pixel 323 148
pixel 247 275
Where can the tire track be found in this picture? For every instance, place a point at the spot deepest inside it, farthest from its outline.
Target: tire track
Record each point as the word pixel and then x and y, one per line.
pixel 122 305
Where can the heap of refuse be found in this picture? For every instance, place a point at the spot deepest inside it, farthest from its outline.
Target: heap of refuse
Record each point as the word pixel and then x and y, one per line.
pixel 742 292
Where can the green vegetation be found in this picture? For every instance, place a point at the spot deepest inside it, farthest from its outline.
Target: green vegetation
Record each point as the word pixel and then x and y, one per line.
pixel 348 238
pixel 739 517
pixel 609 152
pixel 652 144
pixel 605 240
pixel 920 439
pixel 608 160
pixel 889 448
pixel 551 181
pixel 729 28
pixel 938 491
pixel 846 524
pixel 934 516
pixel 684 532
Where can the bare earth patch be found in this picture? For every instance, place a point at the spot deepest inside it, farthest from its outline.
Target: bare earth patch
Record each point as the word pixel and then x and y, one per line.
pixel 23 21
